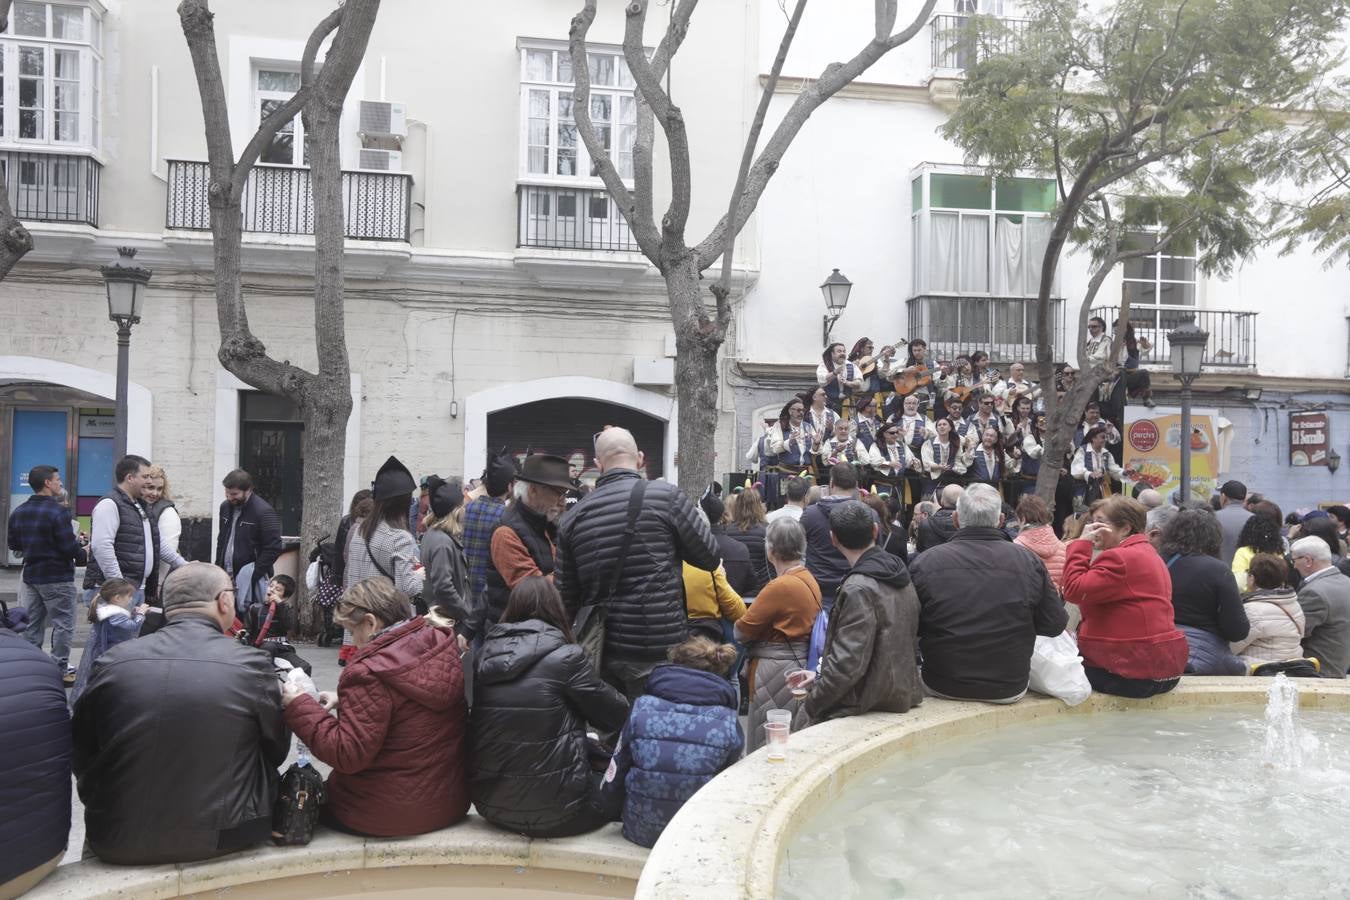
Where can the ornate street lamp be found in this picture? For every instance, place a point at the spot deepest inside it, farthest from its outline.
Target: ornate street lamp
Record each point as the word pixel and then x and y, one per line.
pixel 1188 343
pixel 835 289
pixel 126 295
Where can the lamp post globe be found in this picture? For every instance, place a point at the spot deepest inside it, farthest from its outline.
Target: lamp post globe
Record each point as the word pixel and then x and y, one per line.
pixel 1187 344
pixel 126 287
pixel 835 289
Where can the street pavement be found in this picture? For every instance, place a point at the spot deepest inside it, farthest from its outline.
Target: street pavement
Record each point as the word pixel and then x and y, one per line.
pixel 324 661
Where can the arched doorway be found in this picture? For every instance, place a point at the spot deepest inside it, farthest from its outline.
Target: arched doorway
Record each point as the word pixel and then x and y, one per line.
pixel 559 415
pixel 566 426
pixel 58 414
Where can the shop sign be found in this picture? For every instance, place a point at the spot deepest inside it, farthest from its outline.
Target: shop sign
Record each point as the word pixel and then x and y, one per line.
pixel 1309 438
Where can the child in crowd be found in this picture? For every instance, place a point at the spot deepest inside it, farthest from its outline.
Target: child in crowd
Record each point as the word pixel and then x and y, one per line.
pixel 268 625
pixel 682 731
pixel 114 620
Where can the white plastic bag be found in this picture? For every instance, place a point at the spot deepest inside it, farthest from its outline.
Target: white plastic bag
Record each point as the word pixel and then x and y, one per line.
pixel 1057 669
pixel 312 577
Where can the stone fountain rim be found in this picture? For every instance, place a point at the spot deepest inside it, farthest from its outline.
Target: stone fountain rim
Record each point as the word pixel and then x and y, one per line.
pixel 726 842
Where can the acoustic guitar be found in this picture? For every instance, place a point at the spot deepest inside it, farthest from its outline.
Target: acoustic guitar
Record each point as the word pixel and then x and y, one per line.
pixel 908 382
pixel 868 364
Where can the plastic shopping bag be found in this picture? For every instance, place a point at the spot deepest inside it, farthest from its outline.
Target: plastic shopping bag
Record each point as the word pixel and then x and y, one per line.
pixel 1057 669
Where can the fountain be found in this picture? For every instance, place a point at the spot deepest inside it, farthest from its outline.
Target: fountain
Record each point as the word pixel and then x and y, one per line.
pixel 1287 744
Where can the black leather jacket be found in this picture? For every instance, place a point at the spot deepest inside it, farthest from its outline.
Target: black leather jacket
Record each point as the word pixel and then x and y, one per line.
pixel 177 741
pixel 647 617
pixel 868 664
pixel 533 694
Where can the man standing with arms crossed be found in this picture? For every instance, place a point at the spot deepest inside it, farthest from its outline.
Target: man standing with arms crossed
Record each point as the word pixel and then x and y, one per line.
pixel 40 530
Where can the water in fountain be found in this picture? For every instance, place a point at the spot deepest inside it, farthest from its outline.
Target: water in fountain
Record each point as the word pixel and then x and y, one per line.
pixel 1288 745
pixel 1177 803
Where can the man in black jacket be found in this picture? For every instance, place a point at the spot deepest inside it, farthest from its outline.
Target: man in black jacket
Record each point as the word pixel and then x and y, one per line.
pixel 250 532
pixel 827 565
pixel 35 745
pixel 983 600
pixel 941 525
pixel 179 734
pixel 645 614
pixel 868 661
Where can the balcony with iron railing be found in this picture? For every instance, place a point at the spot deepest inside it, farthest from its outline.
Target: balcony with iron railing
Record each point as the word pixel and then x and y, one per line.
pixel 1003 327
pixel 1232 333
pixel 52 187
pixel 570 218
pixel 957 41
pixel 376 206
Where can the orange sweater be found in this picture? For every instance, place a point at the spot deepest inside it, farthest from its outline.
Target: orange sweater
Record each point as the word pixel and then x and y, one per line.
pixel 785 610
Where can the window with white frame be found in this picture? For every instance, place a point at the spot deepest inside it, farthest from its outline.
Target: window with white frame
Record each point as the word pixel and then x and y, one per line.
pixel 273 85
pixel 51 68
pixel 550 146
pixel 1164 278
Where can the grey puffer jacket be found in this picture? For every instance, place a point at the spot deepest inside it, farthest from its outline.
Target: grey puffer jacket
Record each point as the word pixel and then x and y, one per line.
pixel 773 660
pixel 647 615
pixel 447 577
pixel 869 662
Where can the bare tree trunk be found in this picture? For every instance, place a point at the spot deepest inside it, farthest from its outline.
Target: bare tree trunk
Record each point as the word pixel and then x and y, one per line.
pixel 696 346
pixel 15 241
pixel 323 397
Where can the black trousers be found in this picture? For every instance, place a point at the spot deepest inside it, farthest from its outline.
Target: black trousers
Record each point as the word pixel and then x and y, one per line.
pixel 1106 682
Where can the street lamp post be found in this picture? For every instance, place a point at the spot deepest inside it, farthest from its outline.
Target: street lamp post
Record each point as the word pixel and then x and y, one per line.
pixel 835 289
pixel 1188 343
pixel 126 295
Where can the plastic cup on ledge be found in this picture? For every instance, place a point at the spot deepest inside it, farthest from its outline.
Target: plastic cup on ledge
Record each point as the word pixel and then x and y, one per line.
pixel 779 715
pixel 776 739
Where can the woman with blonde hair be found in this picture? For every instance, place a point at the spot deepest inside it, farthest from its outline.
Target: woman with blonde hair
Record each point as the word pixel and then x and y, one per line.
pixel 159 505
pixel 446 588
pixel 397 743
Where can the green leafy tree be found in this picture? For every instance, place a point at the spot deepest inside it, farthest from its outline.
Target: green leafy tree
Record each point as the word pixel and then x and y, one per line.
pixel 1160 120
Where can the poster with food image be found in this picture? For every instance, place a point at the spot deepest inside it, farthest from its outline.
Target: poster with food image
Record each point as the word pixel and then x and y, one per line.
pixel 1152 451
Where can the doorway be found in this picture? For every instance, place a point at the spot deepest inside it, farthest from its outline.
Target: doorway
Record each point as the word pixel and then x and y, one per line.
pixel 272 451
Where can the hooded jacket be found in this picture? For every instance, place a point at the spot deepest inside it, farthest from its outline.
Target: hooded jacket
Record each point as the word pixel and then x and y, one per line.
pixel 869 661
pixel 177 741
pixel 1041 541
pixel 982 602
pixel 1277 627
pixel 397 744
pixel 682 732
pixel 936 529
pixel 533 694
pixel 646 615
pixel 35 745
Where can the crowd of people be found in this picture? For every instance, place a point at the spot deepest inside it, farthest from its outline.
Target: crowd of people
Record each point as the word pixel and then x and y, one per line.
pixel 912 424
pixel 559 659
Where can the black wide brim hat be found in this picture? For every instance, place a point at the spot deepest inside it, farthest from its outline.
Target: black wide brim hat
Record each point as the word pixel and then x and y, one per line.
pixel 547 470
pixel 393 480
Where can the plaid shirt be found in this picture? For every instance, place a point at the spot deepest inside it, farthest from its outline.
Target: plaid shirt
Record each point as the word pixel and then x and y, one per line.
pixel 40 529
pixel 480 520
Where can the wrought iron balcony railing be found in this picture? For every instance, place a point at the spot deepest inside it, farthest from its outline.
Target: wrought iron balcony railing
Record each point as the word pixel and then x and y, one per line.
pixel 1232 334
pixel 1003 327
pixel 569 218
pixel 52 187
pixel 376 206
pixel 958 44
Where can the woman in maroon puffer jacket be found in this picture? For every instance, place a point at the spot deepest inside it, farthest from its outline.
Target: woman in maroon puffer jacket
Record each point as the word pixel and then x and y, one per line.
pixel 397 744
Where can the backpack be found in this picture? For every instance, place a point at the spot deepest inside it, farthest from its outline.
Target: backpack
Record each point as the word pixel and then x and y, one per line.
pixel 296 811
pixel 817 645
pixel 325 554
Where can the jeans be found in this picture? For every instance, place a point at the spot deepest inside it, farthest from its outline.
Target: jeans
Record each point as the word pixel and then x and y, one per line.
pixel 58 602
pixel 1104 682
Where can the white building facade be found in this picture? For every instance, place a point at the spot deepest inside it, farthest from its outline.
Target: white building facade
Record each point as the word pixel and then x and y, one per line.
pixel 495 297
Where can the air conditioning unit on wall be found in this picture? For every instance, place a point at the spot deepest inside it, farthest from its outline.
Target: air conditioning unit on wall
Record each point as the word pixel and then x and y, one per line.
pixel 382 119
pixel 381 160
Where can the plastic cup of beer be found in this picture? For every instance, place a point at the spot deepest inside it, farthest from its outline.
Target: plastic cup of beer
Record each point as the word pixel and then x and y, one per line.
pixel 776 738
pixel 797 680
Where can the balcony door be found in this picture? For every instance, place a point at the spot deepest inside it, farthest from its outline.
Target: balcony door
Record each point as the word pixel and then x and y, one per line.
pixel 272 450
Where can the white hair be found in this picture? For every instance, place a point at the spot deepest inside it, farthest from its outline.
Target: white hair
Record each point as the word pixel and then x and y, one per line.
pixel 979 506
pixel 521 489
pixel 1312 547
pixel 785 539
pixel 1159 516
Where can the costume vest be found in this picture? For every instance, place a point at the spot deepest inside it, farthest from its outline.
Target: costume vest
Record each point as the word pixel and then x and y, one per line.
pixel 129 544
pixel 795 454
pixel 982 468
pixel 530 527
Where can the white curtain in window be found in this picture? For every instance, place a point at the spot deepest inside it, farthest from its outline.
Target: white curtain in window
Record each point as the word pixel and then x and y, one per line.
pixel 943 271
pixel 1009 258
pixel 975 254
pixel 1036 237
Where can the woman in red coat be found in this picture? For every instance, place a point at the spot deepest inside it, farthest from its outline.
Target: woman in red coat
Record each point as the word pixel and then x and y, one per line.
pixel 397 744
pixel 1129 643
